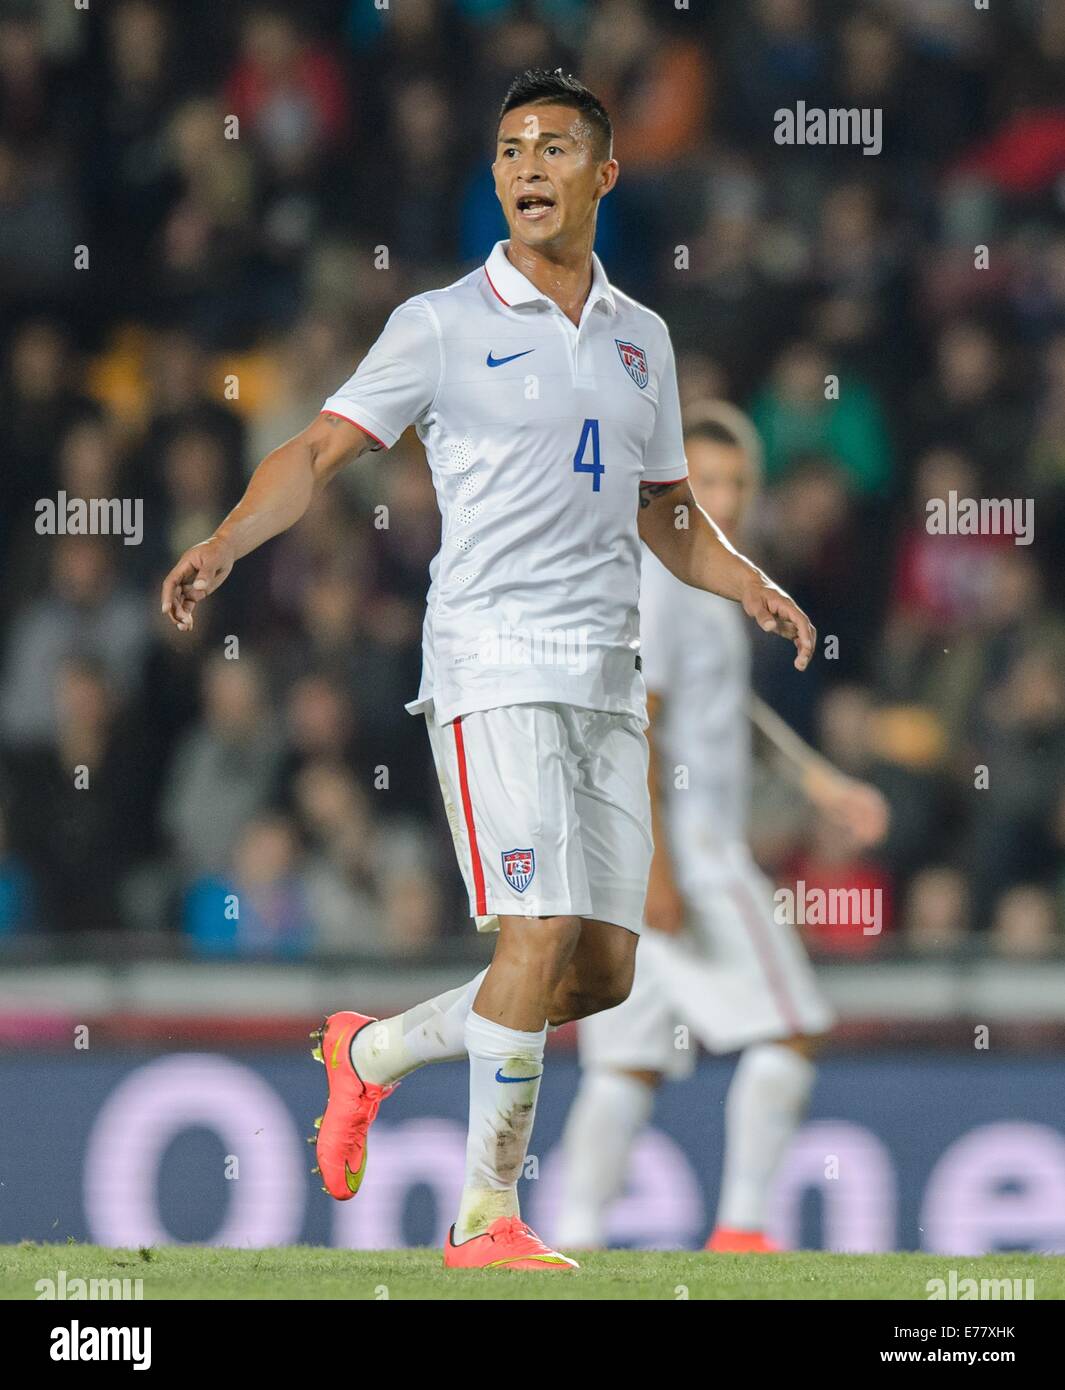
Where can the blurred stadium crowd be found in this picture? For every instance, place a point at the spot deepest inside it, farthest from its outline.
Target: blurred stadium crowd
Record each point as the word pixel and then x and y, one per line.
pixel 233 283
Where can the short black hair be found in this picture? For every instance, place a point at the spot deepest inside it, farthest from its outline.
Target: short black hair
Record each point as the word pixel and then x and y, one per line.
pixel 539 85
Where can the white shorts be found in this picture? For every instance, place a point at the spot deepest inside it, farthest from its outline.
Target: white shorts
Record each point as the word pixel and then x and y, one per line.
pixel 734 977
pixel 549 810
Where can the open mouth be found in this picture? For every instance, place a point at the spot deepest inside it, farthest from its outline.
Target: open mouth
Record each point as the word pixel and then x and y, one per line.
pixel 534 206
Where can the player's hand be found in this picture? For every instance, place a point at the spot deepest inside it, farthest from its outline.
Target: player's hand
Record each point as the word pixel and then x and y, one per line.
pixel 198 573
pixel 856 808
pixel 664 909
pixel 775 611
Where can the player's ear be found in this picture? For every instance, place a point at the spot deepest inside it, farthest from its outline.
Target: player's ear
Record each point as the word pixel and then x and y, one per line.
pixel 608 177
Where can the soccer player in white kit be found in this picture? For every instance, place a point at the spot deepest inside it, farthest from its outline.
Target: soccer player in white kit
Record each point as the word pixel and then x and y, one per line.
pixel 547 404
pixel 716 964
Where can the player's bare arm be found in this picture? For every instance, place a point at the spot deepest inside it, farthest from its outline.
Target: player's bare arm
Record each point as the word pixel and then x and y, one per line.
pixel 698 554
pixel 856 807
pixel 664 911
pixel 280 491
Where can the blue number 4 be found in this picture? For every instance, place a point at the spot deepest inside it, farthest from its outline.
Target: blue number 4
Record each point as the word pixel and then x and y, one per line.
pixel 595 468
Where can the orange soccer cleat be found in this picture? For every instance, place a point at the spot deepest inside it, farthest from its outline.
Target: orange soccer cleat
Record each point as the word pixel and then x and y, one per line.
pixel 728 1242
pixel 350 1110
pixel 507 1244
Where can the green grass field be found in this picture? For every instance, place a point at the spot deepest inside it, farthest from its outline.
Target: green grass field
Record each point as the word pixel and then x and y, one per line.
pixel 197 1272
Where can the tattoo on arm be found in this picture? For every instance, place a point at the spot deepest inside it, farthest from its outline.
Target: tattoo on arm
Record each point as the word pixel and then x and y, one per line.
pixel 649 491
pixel 369 445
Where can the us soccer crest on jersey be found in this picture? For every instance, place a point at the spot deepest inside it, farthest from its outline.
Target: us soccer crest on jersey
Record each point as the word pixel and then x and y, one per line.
pixel 634 360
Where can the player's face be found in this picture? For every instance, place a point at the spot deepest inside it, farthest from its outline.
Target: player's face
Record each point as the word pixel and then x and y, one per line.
pixel 548 174
pixel 722 480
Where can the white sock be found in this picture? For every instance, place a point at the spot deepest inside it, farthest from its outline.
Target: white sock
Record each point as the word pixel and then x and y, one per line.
pixel 391 1048
pixel 501 1119
pixel 608 1112
pixel 765 1105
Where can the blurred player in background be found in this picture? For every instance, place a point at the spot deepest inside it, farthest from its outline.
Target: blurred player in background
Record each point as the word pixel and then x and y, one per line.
pixel 548 406
pixel 716 964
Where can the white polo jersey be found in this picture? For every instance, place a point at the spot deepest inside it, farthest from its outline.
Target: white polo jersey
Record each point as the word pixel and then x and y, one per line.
pixel 697 657
pixel 539 433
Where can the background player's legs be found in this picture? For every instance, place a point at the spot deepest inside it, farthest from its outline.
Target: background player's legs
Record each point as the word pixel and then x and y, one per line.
pixel 715 984
pixel 746 985
pixel 766 1102
pixel 610 1109
pixel 765 1105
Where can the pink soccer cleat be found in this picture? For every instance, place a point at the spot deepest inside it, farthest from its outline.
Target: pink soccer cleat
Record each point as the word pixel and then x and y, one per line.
pixel 507 1244
pixel 350 1109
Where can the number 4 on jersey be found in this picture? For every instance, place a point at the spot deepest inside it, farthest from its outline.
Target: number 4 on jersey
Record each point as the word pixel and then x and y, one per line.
pixel 595 468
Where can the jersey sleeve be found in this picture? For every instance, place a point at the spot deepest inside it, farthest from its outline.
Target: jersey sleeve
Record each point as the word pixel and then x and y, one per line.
pixel 659 629
pixel 396 381
pixel 664 460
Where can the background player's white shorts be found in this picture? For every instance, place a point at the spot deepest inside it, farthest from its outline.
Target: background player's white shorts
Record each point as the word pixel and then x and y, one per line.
pixel 549 810
pixel 736 976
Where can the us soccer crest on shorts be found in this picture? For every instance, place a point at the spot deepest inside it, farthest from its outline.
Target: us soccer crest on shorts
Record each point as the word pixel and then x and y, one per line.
pixel 634 360
pixel 519 865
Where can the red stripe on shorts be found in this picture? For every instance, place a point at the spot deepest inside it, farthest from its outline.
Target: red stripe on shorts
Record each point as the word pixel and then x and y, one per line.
pixel 467 810
pixel 763 948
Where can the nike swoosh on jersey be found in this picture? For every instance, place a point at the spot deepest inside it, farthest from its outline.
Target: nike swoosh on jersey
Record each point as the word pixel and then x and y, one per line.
pixel 502 361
